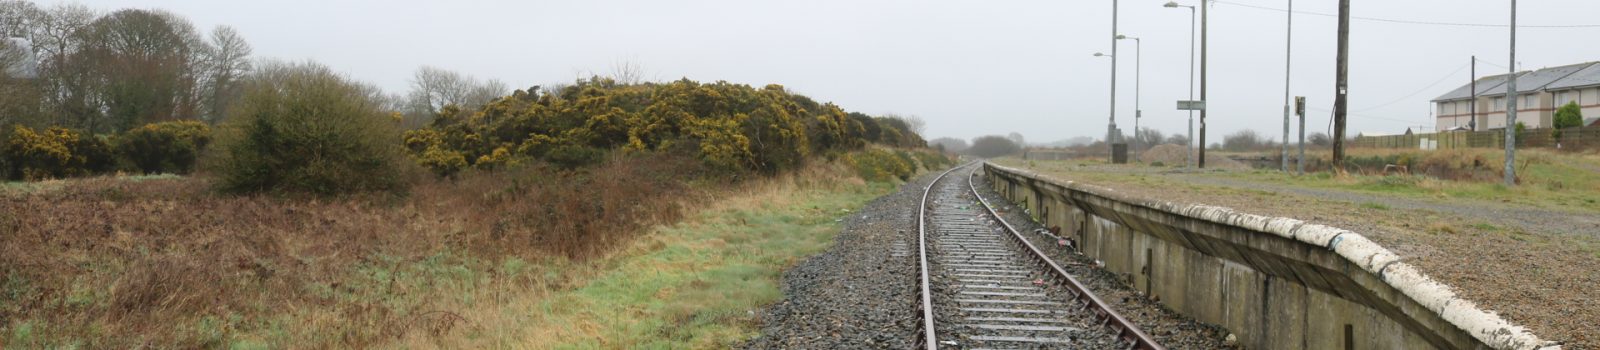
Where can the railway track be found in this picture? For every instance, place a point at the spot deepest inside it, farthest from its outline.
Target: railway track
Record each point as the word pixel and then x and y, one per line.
pixel 985 286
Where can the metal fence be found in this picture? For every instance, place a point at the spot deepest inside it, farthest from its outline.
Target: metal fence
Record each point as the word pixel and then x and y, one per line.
pixel 1570 138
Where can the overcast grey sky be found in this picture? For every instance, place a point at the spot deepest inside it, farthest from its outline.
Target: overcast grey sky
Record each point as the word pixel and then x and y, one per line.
pixel 967 67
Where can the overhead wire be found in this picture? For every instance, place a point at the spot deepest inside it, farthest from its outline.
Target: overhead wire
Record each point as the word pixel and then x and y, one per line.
pixel 1415 22
pixel 1419 91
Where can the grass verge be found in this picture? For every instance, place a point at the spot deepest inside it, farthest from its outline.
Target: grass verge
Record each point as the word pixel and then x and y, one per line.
pixel 700 283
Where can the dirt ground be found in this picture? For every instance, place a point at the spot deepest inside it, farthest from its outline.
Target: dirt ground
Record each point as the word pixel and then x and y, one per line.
pixel 1534 266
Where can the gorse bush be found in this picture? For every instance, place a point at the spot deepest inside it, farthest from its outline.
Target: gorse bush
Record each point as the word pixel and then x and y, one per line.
pixel 167 147
pixel 54 152
pixel 729 127
pixel 882 165
pixel 302 128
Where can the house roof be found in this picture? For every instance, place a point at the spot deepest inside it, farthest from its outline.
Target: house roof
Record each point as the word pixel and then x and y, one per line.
pixel 1552 78
pixel 1583 78
pixel 1485 85
pixel 1542 78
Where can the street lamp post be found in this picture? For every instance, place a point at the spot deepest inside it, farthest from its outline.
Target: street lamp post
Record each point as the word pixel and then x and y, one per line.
pixel 1191 79
pixel 1511 104
pixel 1111 127
pixel 1288 58
pixel 1138 112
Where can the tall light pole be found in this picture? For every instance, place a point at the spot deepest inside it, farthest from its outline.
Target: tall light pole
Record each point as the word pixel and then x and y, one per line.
pixel 1190 144
pixel 1111 128
pixel 1138 56
pixel 1288 58
pixel 1204 109
pixel 1511 104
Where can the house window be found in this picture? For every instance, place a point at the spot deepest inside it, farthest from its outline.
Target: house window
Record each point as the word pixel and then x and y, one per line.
pixel 1565 97
pixel 1499 104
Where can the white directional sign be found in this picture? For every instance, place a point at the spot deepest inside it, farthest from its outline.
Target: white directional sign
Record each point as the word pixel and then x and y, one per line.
pixel 1191 105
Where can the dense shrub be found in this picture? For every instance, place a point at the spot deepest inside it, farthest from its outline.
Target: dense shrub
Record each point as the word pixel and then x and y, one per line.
pixel 303 128
pixel 881 165
pixel 55 152
pixel 993 146
pixel 168 147
pixel 1568 116
pixel 728 127
pixel 933 160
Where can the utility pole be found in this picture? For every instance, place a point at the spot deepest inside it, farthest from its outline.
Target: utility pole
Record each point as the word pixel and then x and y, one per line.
pixel 1111 128
pixel 1288 58
pixel 1341 85
pixel 1138 57
pixel 1189 146
pixel 1472 107
pixel 1511 105
pixel 1203 6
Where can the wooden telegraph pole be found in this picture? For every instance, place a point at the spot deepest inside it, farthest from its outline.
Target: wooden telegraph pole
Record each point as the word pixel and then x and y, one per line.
pixel 1341 88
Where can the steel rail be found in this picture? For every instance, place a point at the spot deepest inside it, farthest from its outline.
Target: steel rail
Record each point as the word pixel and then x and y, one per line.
pixel 929 339
pixel 1124 329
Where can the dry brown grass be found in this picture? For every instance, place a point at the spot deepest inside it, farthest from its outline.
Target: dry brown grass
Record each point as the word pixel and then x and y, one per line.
pixel 110 263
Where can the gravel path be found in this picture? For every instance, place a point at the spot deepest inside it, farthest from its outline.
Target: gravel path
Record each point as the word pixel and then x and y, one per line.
pixel 860 294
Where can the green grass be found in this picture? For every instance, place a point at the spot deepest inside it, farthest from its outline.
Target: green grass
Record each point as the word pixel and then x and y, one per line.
pixel 1374 205
pixel 707 282
pixel 1552 181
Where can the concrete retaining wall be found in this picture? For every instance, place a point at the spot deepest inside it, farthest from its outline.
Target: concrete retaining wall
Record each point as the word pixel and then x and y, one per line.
pixel 1277 283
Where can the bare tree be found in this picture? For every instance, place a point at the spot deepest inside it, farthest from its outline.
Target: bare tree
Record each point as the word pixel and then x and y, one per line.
pixel 226 61
pixel 1178 139
pixel 64 86
pixel 627 72
pixel 433 88
pixel 950 144
pixel 142 61
pixel 917 124
pixel 1149 137
pixel 17 18
pixel 19 88
pixel 1017 139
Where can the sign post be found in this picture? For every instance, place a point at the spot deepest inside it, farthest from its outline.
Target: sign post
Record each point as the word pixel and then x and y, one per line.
pixel 1184 105
pixel 1300 110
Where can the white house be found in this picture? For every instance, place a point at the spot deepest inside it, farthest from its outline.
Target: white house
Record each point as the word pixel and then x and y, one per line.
pixel 1539 93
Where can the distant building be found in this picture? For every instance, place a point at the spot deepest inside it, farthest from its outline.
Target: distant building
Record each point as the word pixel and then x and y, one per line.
pixel 17 60
pixel 1539 93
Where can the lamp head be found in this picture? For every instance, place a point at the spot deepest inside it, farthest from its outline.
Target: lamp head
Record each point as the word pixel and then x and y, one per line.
pixel 1097 54
pixel 1172 4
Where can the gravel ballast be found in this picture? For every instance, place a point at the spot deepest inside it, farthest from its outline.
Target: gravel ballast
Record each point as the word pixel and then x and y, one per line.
pixel 862 293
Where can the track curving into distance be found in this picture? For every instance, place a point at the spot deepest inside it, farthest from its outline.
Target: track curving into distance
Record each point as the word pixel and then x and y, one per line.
pixel 984 286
